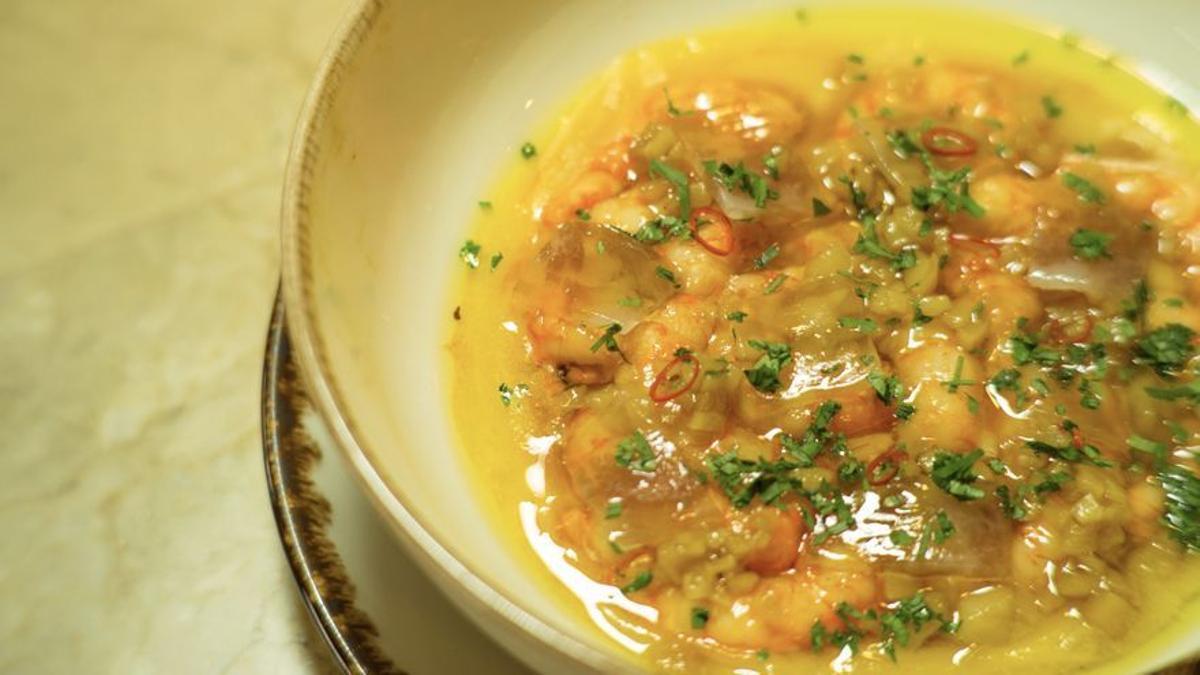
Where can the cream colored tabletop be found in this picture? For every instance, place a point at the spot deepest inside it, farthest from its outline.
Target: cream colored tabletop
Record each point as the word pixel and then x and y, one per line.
pixel 142 145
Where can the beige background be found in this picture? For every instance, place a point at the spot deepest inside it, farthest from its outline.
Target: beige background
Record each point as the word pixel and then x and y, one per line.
pixel 141 151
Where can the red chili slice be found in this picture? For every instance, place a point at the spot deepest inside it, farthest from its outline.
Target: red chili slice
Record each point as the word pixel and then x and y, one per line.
pixel 713 231
pixel 884 468
pixel 947 142
pixel 677 377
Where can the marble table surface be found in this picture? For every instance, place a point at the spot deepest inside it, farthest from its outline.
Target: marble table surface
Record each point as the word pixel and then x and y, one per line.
pixel 142 145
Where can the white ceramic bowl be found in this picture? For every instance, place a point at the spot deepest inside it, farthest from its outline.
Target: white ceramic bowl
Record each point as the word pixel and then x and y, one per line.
pixel 415 107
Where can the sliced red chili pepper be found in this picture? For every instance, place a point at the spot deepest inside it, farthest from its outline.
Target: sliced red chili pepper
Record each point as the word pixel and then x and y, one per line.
pixel 884 468
pixel 713 231
pixel 677 377
pixel 947 142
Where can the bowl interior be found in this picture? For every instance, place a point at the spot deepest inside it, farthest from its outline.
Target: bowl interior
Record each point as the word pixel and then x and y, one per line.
pixel 420 104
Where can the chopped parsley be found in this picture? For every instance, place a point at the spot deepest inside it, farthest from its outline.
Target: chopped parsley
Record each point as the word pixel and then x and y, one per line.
pixel 1189 392
pixel 862 325
pixel 819 208
pixel 1086 190
pixel 906 617
pixel 671 109
pixel 815 438
pixel 1091 245
pixel 613 510
pixel 485 205
pixel 1051 107
pixel 699 617
pixel 666 275
pixel 868 244
pixel 957 380
pixel 509 394
pixel 764 376
pixel 639 582
pixel 774 284
pixel 630 301
pixel 470 253
pixel 680 180
pixel 1069 453
pixel 1021 59
pixel 737 316
pixel 661 229
pixel 739 178
pixel 583 215
pixel 1166 349
pixel 948 188
pixel 609 339
pixel 634 453
pixel 766 256
pixel 528 151
pixel 954 473
pixel 887 387
pixel 1013 508
pixel 496 260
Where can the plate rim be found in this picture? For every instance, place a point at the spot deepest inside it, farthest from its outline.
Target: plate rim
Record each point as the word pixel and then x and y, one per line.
pixel 302 515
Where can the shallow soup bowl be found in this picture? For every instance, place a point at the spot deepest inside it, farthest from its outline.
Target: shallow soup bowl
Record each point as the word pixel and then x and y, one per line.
pixel 415 108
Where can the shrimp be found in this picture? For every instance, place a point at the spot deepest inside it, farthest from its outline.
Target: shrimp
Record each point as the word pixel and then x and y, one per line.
pixel 580 284
pixel 604 178
pixel 780 612
pixel 941 377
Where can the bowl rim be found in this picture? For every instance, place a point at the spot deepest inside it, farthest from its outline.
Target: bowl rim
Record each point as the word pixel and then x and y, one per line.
pixel 319 379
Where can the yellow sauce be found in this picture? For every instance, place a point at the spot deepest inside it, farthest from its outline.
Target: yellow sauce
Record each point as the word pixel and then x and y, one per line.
pixel 489 343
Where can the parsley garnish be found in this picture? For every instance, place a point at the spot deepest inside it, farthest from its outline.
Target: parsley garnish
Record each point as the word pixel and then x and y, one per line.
pixel 470 253
pixel 508 394
pixel 819 207
pixel 680 181
pixel 887 387
pixel 661 229
pixel 1166 349
pixel 957 380
pixel 737 316
pixel 666 275
pixel 699 617
pixel 815 438
pixel 739 178
pixel 496 260
pixel 1014 509
pixel 634 453
pixel 766 256
pixel 1189 392
pixel 1069 453
pixel 639 582
pixel 671 109
pixel 774 284
pixel 609 339
pixel 949 188
pixel 613 510
pixel 528 151
pixel 1091 245
pixel 953 473
pixel 764 376
pixel 1052 108
pixel 1087 191
pixel 862 325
